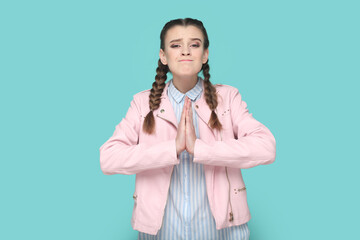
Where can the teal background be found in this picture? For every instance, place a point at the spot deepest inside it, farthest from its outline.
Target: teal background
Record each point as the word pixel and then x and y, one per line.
pixel 69 69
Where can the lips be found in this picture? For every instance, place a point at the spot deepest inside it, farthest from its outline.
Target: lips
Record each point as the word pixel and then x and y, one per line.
pixel 185 60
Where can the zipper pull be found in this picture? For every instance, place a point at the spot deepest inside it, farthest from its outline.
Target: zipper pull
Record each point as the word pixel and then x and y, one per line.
pixel 231 217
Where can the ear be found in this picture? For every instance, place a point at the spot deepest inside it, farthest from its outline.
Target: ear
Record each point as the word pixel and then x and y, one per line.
pixel 162 57
pixel 205 56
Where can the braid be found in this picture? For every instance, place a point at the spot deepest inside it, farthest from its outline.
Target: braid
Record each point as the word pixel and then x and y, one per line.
pixel 154 97
pixel 211 98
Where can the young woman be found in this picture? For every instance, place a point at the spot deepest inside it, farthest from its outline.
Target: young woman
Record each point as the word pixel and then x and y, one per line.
pixel 187 141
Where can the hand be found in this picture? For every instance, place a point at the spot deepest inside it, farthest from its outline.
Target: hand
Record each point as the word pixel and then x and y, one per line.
pixel 186 136
pixel 180 136
pixel 190 129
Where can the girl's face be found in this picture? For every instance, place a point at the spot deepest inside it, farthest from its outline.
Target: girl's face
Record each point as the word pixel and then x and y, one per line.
pixel 184 51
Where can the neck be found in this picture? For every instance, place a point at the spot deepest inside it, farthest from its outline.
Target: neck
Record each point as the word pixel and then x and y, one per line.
pixel 184 84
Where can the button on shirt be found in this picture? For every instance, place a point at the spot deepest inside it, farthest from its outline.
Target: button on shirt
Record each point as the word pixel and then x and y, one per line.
pixel 187 213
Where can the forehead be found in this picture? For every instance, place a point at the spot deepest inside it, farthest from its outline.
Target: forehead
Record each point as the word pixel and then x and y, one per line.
pixel 181 32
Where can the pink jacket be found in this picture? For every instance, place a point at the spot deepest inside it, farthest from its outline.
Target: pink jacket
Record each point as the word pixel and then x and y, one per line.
pixel 243 143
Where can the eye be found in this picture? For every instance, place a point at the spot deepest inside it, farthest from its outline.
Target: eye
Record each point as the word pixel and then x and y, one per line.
pixel 175 46
pixel 195 45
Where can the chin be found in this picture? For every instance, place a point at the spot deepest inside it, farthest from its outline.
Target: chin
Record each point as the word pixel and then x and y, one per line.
pixel 184 75
pixel 188 73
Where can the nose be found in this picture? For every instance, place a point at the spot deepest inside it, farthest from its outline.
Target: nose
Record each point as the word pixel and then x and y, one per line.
pixel 185 51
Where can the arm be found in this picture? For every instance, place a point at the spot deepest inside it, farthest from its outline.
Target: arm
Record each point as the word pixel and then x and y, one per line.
pixel 253 145
pixel 122 154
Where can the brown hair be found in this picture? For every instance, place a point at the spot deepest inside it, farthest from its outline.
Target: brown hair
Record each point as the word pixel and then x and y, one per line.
pixel 160 78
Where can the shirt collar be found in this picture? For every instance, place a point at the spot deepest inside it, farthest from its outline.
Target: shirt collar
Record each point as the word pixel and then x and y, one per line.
pixel 193 93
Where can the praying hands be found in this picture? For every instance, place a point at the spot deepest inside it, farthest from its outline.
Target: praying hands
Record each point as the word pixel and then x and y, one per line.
pixel 185 138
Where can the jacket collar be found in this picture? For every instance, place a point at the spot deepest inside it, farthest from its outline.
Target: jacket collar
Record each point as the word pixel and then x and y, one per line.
pixel 166 111
pixel 178 96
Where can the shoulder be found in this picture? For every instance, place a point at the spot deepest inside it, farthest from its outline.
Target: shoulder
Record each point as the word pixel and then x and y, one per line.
pixel 224 87
pixel 226 90
pixel 141 100
pixel 142 95
pixel 228 96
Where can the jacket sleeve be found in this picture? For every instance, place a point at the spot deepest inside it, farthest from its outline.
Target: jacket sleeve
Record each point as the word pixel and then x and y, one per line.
pixel 123 154
pixel 253 144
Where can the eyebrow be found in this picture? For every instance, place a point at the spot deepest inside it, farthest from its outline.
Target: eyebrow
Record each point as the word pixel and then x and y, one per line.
pixel 192 39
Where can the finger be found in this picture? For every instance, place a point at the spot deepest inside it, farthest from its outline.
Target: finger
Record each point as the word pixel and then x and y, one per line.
pixel 183 113
pixel 186 105
pixel 189 111
pixel 189 105
pixel 191 114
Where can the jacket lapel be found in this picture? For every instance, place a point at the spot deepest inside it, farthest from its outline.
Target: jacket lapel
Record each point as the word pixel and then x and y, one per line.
pixel 165 110
pixel 204 112
pixel 202 109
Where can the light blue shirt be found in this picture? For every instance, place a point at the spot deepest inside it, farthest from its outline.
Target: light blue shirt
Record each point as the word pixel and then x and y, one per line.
pixel 187 213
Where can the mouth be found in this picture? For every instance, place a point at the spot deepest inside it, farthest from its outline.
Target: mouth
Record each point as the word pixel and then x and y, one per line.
pixel 186 60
